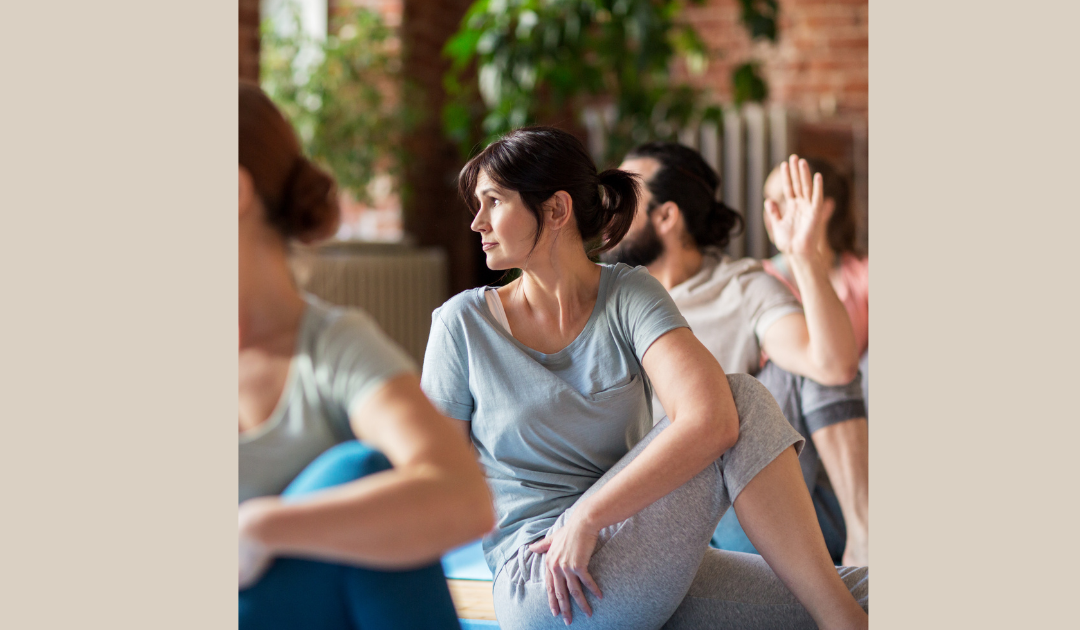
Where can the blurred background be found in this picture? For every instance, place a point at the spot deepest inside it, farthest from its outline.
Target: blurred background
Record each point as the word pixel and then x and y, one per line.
pixel 393 96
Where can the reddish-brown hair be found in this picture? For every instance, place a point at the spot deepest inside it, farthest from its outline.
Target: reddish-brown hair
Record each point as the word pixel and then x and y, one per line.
pixel 300 198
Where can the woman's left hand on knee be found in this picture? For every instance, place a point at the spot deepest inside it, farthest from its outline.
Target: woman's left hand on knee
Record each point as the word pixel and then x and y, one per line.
pixel 567 554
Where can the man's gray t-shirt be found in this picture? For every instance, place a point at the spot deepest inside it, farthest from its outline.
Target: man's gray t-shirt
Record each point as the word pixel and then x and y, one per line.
pixel 547 426
pixel 341 358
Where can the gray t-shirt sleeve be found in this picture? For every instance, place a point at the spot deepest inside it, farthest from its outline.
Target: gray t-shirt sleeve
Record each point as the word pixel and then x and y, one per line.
pixel 765 301
pixel 355 359
pixel 646 309
pixel 445 377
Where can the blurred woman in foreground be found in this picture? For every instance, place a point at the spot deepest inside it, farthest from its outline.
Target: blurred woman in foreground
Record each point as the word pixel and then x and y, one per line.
pixel 357 527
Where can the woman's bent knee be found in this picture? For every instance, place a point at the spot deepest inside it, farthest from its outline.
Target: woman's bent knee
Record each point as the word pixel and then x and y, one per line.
pixel 338 465
pixel 764 433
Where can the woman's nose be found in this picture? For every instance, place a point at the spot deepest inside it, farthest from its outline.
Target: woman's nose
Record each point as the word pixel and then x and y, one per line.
pixel 477 224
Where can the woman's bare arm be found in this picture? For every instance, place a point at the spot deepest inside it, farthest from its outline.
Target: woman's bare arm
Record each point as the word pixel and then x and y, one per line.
pixel 820 344
pixel 694 391
pixel 434 498
pixel 704 424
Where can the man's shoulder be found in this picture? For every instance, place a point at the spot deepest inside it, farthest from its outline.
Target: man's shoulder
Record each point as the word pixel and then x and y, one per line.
pixel 718 272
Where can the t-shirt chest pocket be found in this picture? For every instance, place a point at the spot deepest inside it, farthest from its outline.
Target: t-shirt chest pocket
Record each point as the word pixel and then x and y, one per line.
pixel 617 391
pixel 619 417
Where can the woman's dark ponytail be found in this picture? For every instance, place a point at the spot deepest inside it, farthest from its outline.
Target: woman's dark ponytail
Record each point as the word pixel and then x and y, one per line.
pixel 618 203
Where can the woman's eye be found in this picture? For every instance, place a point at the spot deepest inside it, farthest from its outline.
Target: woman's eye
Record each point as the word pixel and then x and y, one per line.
pixel 494 202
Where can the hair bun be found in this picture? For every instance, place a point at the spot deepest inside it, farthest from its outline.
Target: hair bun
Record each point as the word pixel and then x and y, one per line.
pixel 309 206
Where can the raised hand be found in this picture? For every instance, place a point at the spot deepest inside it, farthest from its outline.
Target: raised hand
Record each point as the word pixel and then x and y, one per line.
pixel 798 224
pixel 568 551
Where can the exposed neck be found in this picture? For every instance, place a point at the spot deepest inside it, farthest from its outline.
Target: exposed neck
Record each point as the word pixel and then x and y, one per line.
pixel 676 265
pixel 270 305
pixel 561 286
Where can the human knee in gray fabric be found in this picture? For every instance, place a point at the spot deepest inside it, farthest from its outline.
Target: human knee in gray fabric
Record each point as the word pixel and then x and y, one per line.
pixel 764 433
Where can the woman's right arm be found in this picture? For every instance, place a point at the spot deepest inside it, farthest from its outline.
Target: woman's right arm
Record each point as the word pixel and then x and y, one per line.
pixel 694 391
pixel 433 499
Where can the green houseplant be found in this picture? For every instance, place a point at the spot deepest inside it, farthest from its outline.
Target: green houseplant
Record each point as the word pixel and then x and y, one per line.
pixel 542 60
pixel 342 93
pixel 517 62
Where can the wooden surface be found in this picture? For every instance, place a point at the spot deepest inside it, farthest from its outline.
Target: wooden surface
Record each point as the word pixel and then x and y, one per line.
pixel 472 599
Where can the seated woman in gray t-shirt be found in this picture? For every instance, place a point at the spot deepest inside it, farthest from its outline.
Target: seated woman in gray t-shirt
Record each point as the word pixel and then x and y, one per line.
pixel 334 533
pixel 552 375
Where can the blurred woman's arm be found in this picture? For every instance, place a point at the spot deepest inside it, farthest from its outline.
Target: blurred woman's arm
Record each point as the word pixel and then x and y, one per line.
pixel 432 500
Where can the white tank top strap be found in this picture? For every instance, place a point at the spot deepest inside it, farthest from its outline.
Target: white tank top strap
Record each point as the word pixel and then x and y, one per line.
pixel 496 307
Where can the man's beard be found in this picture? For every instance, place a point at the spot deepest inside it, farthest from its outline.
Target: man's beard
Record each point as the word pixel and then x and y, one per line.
pixel 642 249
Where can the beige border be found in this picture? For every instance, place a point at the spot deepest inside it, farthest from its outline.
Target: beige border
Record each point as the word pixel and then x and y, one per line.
pixel 972 148
pixel 119 264
pixel 119 268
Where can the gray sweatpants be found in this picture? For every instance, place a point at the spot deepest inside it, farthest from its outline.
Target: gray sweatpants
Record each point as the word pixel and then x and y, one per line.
pixel 655 568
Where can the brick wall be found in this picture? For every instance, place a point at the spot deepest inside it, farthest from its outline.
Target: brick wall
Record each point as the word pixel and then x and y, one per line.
pixel 249 39
pixel 819 66
pixel 819 69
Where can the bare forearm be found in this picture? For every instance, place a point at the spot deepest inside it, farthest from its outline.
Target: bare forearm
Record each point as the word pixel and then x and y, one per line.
pixel 832 348
pixel 843 448
pixel 674 457
pixel 394 519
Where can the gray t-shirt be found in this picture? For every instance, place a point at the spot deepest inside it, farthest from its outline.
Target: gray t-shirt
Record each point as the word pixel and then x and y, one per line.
pixel 547 426
pixel 341 358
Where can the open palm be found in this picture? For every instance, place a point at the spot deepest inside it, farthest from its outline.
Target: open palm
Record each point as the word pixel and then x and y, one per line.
pixel 797 224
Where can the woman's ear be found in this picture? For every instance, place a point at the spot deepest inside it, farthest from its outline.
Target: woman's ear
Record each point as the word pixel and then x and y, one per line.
pixel 559 209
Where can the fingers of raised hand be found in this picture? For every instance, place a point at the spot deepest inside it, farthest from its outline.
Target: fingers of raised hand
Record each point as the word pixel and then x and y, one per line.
pixel 796 176
pixel 819 185
pixel 785 179
pixel 804 179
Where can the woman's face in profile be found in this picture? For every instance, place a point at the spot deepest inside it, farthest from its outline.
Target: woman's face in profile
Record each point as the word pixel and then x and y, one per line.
pixel 507 228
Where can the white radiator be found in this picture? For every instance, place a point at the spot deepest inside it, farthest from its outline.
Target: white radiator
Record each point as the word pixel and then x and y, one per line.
pixel 741 149
pixel 399 285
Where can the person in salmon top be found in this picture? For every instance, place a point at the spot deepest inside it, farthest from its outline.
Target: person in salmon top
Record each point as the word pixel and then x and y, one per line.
pixel 849 266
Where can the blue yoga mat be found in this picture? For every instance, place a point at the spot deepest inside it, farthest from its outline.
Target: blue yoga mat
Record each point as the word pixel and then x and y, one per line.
pixel 478 624
pixel 466 563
